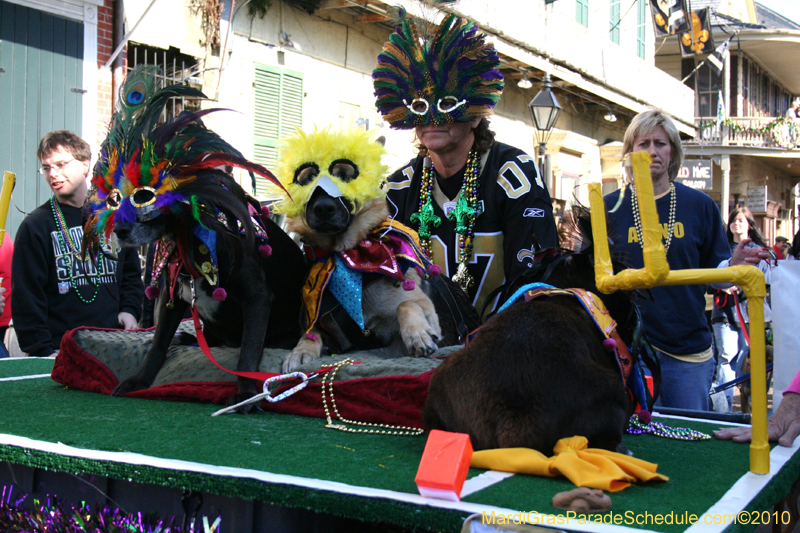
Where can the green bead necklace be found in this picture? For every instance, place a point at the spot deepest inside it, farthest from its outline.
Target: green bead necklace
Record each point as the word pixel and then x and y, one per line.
pixel 464 215
pixel 65 241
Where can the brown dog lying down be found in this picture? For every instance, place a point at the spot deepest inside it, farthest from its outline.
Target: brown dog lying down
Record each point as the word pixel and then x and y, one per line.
pixel 370 285
pixel 537 372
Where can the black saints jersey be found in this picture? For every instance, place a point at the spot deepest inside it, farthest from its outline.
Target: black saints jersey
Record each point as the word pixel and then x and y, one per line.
pixel 514 206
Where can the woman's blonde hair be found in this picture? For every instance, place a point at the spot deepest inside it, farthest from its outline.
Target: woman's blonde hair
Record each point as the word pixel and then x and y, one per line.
pixel 644 123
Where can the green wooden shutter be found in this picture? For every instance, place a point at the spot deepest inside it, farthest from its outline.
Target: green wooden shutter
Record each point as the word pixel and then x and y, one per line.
pixel 614 22
pixel 641 14
pixel 278 110
pixel 582 11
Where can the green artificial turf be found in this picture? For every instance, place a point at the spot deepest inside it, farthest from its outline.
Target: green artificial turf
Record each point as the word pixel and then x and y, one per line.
pixel 700 472
pixel 25 366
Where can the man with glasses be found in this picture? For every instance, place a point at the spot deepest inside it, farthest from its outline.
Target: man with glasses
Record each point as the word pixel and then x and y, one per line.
pixel 64 289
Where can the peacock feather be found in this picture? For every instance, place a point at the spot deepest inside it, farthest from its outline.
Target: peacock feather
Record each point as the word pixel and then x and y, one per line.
pixel 418 72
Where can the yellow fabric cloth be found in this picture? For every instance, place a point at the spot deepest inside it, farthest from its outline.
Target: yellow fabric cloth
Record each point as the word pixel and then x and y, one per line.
pixel 586 467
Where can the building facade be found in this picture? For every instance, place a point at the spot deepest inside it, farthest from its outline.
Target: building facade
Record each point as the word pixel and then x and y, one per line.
pixel 741 111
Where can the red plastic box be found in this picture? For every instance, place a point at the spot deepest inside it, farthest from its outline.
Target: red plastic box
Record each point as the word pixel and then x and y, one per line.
pixel 443 468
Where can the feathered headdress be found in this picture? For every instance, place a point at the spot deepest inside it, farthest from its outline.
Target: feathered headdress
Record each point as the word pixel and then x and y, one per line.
pixel 349 160
pixel 144 167
pixel 147 169
pixel 449 77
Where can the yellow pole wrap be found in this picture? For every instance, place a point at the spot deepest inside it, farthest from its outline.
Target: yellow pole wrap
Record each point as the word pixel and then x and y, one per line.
pixel 655 263
pixel 656 272
pixel 9 179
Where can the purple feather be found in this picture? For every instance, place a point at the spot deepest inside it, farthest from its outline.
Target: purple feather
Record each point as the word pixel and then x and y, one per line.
pixel 126 214
pixel 394 78
pixel 390 60
pixel 384 92
pixel 169 198
pixel 493 74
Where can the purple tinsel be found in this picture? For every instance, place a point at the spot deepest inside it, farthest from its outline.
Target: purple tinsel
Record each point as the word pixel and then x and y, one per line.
pixel 52 515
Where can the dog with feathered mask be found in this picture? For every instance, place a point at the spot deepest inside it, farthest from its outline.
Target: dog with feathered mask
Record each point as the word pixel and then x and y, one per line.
pixel 371 284
pixel 162 184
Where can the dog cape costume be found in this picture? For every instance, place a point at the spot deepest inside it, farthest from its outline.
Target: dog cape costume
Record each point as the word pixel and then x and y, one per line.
pixel 334 286
pixel 146 169
pixel 339 277
pixel 594 306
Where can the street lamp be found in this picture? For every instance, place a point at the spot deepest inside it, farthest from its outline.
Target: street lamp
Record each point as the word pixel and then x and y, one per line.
pixel 544 110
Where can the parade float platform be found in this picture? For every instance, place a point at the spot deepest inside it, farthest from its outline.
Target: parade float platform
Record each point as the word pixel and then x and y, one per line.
pixel 276 472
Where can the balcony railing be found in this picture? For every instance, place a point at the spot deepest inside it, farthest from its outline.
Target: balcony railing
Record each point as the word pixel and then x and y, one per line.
pixel 766 132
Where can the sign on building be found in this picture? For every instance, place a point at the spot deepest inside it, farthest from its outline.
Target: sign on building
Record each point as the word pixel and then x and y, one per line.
pixel 757 199
pixel 696 173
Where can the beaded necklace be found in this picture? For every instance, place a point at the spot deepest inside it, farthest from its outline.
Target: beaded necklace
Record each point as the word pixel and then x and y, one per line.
pixel 383 429
pixel 463 214
pixel 637 219
pixel 66 242
pixel 636 427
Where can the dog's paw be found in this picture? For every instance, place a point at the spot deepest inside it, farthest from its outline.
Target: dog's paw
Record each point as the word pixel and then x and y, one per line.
pixel 132 384
pixel 297 358
pixel 420 342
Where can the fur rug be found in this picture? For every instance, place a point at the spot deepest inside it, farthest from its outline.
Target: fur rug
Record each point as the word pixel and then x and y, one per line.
pixel 377 390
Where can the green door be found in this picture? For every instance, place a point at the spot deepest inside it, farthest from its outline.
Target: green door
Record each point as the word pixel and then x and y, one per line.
pixel 41 89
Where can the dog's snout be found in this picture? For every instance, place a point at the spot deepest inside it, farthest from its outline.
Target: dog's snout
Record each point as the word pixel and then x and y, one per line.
pixel 122 231
pixel 326 214
pixel 325 209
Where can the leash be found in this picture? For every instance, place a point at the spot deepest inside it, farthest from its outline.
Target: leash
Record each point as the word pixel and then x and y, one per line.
pixel 741 319
pixel 731 383
pixel 267 378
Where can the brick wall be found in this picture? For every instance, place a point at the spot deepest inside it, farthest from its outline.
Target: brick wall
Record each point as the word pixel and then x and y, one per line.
pixel 105 47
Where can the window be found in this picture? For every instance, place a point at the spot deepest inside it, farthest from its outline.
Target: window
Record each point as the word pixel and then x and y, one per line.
pixel 708 86
pixel 641 16
pixel 278 109
pixel 614 21
pixel 746 112
pixel 582 12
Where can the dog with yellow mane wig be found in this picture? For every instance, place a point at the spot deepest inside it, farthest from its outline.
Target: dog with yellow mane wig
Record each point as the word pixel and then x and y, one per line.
pixel 369 285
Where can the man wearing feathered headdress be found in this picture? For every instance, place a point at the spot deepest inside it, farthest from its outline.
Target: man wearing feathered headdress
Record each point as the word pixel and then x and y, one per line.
pixel 480 206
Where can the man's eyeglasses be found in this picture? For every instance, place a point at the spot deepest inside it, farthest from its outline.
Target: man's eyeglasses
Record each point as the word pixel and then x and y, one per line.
pixel 55 166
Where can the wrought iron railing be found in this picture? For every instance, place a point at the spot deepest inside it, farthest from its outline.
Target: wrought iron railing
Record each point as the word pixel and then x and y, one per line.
pixel 768 132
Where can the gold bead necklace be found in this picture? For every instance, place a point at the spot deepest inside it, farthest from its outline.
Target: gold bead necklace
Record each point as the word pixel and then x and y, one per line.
pixel 382 429
pixel 637 218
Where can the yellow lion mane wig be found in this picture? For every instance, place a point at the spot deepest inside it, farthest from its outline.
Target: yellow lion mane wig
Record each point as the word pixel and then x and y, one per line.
pixel 323 148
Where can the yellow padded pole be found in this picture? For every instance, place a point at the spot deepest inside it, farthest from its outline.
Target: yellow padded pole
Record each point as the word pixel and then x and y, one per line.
pixel 9 179
pixel 656 272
